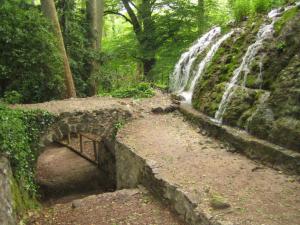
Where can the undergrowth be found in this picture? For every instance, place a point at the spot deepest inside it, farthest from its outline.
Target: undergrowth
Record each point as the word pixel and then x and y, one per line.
pixel 20 132
pixel 141 90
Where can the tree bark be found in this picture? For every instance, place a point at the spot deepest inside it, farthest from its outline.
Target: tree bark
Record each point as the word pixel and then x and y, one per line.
pixel 49 11
pixel 95 9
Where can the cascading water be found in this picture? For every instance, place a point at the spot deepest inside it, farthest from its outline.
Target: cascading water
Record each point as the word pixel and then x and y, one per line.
pixel 189 93
pixel 183 81
pixel 181 75
pixel 265 32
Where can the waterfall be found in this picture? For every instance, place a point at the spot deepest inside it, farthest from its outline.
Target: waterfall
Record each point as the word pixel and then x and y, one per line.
pixel 265 32
pixel 203 64
pixel 182 72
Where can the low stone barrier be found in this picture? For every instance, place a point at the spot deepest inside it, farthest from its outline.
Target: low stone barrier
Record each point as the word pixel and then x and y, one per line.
pixel 269 154
pixel 133 170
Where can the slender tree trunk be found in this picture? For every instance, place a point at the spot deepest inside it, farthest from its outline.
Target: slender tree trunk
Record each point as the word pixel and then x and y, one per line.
pixel 49 11
pixel 95 10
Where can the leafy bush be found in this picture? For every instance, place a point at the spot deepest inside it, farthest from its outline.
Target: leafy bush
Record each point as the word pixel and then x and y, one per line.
pixel 19 136
pixel 12 97
pixel 241 9
pixel 29 59
pixel 261 6
pixel 142 90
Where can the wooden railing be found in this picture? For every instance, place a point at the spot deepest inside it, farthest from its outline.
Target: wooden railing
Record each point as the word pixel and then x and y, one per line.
pixel 77 142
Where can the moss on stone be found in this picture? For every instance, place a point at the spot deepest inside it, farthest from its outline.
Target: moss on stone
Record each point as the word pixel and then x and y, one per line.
pixel 280 62
pixel 22 201
pixel 218 202
pixel 286 17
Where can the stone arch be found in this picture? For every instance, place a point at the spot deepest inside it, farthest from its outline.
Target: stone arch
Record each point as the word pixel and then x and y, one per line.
pixel 98 122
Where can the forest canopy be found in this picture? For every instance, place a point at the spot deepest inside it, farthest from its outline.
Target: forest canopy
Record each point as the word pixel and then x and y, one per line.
pixel 125 43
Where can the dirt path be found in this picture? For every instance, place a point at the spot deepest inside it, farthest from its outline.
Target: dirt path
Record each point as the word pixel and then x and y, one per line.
pixel 118 208
pixel 61 172
pixel 201 166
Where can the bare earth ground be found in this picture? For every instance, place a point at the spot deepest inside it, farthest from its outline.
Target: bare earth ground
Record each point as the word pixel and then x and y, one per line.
pixel 61 171
pixel 137 106
pixel 118 208
pixel 200 165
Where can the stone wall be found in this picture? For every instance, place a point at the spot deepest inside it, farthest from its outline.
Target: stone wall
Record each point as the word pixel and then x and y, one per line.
pixel 7 215
pixel 132 170
pixel 99 122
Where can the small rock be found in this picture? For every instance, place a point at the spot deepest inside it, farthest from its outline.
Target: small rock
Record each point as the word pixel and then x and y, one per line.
pixel 218 202
pixel 204 132
pixel 75 204
pixel 231 149
pixel 257 168
pixel 177 97
pixel 171 108
pixel 157 110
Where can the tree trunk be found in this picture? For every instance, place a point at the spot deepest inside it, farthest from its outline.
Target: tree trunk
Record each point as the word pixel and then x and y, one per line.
pixel 148 65
pixel 49 11
pixel 95 10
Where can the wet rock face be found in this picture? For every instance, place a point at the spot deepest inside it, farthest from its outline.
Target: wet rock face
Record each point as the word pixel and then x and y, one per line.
pixel 7 216
pixel 269 104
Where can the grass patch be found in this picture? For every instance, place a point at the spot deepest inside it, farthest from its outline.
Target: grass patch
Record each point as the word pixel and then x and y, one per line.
pixel 142 90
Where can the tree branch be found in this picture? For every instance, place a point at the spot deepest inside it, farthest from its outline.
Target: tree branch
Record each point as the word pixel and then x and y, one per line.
pixel 109 12
pixel 135 23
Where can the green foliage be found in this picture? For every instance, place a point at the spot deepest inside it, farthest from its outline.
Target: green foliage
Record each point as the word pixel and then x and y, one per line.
pixel 287 16
pixel 19 136
pixel 141 90
pixel 280 46
pixel 117 126
pixel 261 6
pixel 29 59
pixel 22 200
pixel 241 9
pixel 12 97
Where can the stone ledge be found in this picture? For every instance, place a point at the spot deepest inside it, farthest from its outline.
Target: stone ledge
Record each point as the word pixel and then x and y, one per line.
pixel 270 154
pixel 7 214
pixel 133 170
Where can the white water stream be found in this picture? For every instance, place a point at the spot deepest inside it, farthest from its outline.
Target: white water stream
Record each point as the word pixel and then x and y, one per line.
pixel 182 72
pixel 265 32
pixel 189 93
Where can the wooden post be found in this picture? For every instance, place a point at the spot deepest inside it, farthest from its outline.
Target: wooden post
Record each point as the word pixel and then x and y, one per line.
pixel 69 138
pixel 81 144
pixel 95 149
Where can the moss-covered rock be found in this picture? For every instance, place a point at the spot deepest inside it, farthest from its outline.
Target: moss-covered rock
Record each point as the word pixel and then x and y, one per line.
pixel 269 104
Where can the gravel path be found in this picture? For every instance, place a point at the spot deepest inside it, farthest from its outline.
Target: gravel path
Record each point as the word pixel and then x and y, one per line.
pixel 201 165
pixel 125 207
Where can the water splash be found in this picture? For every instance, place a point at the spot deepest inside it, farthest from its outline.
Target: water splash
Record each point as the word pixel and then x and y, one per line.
pixel 182 72
pixel 265 32
pixel 203 64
